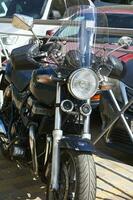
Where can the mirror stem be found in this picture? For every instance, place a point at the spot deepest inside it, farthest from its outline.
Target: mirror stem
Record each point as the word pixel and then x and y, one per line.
pixel 35 36
pixel 116 49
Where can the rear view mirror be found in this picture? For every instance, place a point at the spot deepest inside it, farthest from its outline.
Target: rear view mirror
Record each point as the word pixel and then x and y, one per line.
pixel 22 21
pixel 125 41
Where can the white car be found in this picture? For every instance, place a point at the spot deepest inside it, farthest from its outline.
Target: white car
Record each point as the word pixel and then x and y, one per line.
pixel 38 9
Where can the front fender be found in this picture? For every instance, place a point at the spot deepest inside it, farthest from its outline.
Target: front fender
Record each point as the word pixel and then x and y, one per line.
pixel 76 143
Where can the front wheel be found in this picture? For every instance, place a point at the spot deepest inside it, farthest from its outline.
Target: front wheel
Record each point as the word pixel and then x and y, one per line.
pixel 77 179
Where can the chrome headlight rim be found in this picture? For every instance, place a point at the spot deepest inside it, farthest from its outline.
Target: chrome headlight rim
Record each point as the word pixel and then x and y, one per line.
pixel 72 77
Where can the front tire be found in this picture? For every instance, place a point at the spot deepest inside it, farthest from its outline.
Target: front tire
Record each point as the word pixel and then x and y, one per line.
pixel 77 179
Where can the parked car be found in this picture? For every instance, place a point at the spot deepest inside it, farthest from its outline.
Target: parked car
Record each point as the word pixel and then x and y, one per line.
pixel 118 137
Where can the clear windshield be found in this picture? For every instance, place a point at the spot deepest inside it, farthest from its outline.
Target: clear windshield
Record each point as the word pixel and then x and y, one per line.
pixel 31 8
pixel 79 32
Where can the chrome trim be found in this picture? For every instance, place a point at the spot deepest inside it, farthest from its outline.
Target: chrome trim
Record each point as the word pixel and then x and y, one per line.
pixel 123 92
pixel 47 149
pixel 83 113
pixel 86 128
pixel 32 142
pixel 65 110
pixel 72 77
pixel 57 135
pixel 119 115
pixel 57 109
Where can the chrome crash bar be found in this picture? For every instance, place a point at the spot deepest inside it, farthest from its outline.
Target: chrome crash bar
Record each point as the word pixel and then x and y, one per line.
pixel 118 116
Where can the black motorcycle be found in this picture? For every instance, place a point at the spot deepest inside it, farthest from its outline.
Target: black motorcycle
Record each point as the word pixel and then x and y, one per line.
pixel 45 117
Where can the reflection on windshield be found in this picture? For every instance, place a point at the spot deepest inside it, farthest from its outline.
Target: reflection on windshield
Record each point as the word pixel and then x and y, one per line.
pixel 74 31
pixel 27 7
pixel 114 20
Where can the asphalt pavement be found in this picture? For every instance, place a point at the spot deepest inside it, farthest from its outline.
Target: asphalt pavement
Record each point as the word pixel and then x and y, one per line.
pixel 114 177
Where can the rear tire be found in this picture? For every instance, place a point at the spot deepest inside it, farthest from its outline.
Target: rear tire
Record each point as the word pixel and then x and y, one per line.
pixel 77 179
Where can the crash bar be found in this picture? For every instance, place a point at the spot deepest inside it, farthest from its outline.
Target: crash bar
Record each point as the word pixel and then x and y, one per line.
pixel 120 114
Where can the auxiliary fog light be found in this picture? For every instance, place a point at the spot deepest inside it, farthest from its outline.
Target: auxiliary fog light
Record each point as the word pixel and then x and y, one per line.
pixel 67 105
pixel 85 109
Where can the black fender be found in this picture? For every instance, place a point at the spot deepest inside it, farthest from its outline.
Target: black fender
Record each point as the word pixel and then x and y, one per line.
pixel 76 143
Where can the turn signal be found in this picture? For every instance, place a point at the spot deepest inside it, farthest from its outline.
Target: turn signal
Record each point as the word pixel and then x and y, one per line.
pixel 106 87
pixel 96 97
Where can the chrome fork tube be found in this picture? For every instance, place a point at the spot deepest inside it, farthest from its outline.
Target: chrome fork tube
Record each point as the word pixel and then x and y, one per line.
pixel 47 149
pixel 57 135
pixel 86 128
pixel 32 142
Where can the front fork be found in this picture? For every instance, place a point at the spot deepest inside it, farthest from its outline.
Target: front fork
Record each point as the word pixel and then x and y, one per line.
pixel 57 136
pixel 86 128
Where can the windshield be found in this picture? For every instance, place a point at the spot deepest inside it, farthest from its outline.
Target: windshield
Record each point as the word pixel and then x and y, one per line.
pixel 79 33
pixel 100 20
pixel 31 8
pixel 114 20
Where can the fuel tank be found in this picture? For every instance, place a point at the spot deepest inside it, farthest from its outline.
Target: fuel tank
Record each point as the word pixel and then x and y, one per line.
pixel 42 87
pixel 19 78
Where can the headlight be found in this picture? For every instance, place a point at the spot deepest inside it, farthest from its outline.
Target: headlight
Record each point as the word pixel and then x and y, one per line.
pixel 83 83
pixel 9 39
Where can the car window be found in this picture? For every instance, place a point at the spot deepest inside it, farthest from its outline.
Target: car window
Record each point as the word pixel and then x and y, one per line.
pixel 119 21
pixel 27 7
pixel 118 1
pixel 59 7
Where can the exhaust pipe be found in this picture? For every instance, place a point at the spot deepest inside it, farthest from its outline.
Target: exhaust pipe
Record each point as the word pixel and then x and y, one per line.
pixel 32 142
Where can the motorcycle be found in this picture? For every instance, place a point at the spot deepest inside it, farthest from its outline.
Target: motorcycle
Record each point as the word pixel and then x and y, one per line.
pixel 45 117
